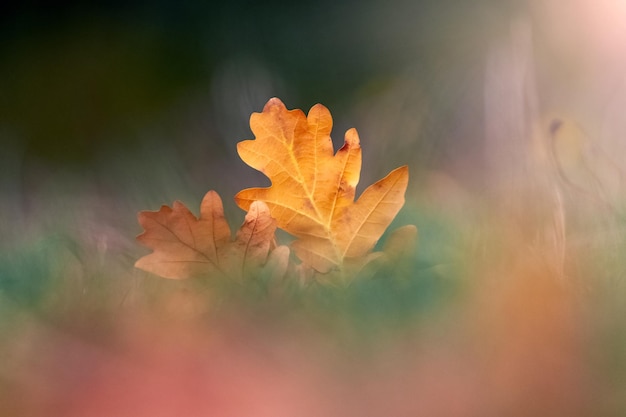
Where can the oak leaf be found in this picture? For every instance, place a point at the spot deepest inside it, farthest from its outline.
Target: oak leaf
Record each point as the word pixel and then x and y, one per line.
pixel 313 189
pixel 187 247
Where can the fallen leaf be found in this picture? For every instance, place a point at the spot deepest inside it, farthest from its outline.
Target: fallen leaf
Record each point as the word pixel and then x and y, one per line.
pixel 187 247
pixel 313 190
pixel 400 244
pixel 397 250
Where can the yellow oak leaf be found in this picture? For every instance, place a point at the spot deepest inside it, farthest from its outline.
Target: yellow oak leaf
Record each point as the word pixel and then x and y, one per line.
pixel 313 189
pixel 187 247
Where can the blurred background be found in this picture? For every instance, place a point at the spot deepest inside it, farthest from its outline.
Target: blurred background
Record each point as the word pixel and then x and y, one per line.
pixel 508 112
pixel 83 83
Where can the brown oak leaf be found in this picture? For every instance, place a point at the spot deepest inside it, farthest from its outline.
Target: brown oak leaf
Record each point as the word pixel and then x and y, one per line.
pixel 313 189
pixel 187 247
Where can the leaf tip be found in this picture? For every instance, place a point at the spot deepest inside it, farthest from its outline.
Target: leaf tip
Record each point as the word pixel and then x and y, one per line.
pixel 273 102
pixel 351 138
pixel 259 207
pixel 210 199
pixel 402 173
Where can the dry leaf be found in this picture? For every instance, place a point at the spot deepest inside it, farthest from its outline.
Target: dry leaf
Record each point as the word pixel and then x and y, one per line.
pixel 400 244
pixel 313 190
pixel 186 247
pixel 397 250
